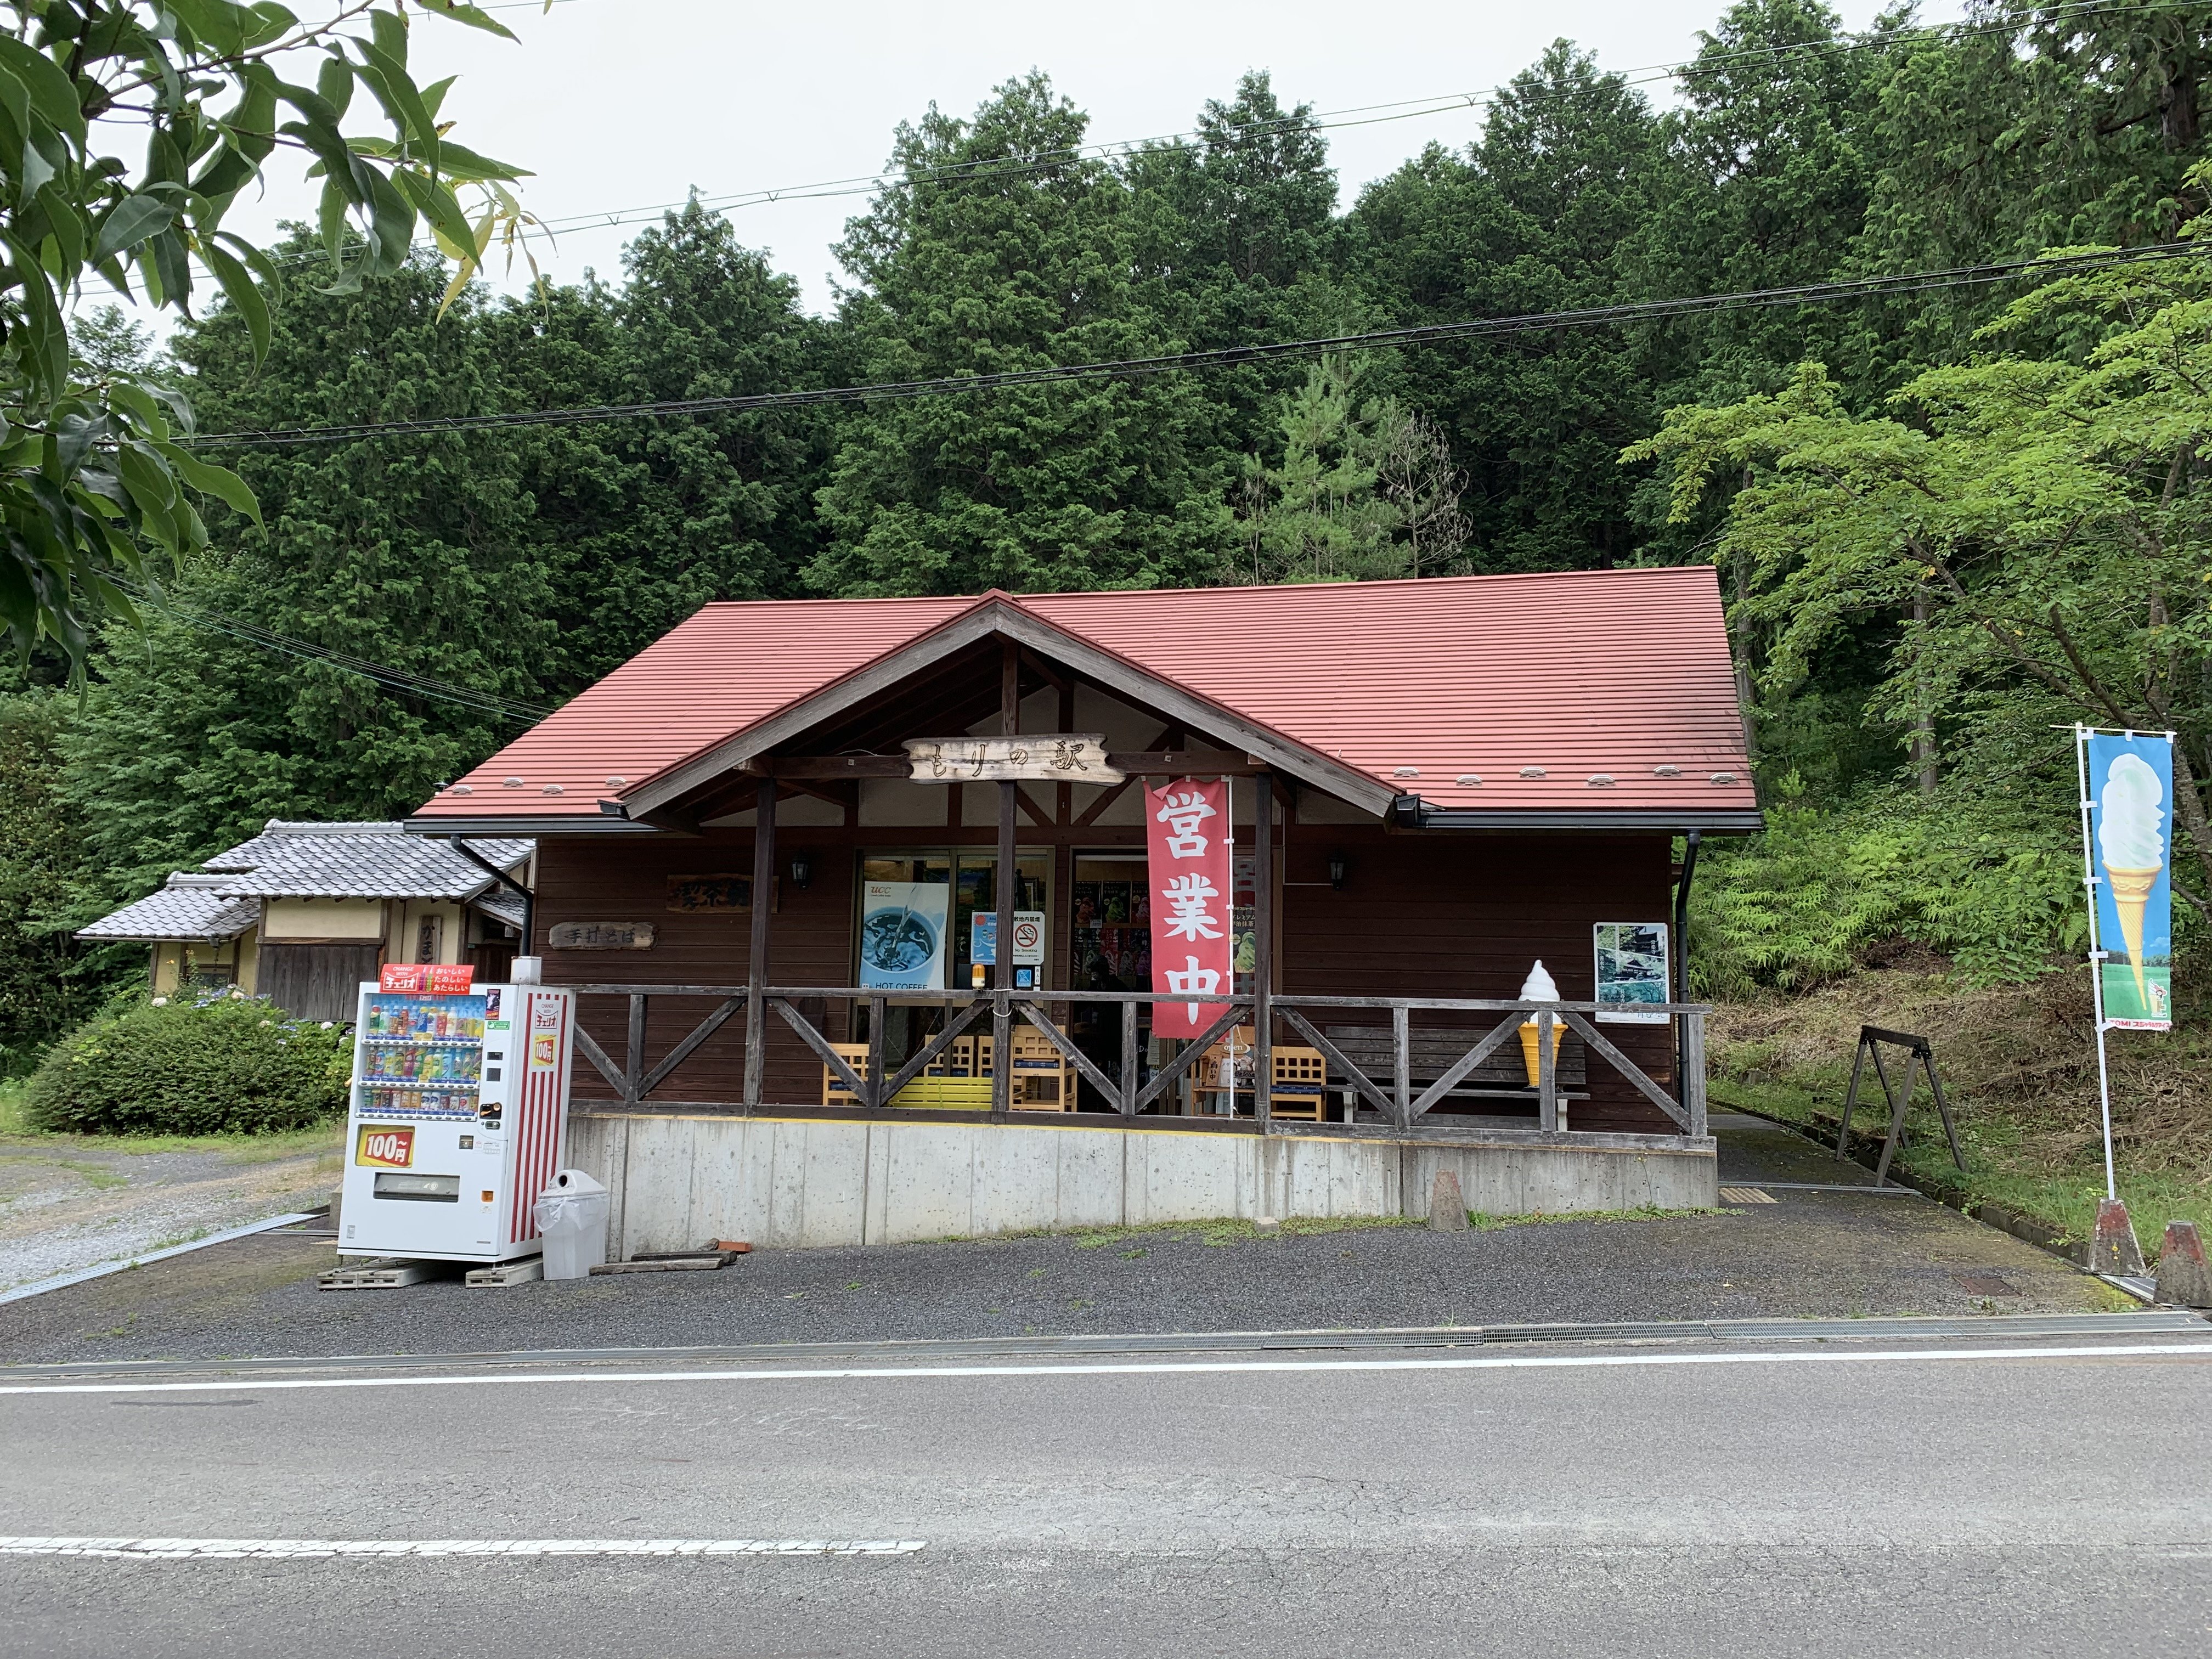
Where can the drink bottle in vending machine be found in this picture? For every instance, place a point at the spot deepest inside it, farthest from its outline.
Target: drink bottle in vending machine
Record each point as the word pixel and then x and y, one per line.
pixel 459 1115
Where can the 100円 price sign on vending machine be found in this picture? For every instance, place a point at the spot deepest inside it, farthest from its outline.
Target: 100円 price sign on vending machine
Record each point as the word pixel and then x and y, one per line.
pixel 459 1116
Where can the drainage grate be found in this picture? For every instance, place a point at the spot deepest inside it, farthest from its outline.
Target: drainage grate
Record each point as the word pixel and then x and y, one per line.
pixel 1747 1195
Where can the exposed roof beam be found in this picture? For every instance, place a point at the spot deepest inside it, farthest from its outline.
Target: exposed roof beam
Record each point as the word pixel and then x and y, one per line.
pixel 1001 617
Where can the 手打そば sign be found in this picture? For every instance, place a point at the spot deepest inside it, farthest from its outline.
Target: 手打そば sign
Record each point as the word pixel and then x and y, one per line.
pixel 600 935
pixel 1048 757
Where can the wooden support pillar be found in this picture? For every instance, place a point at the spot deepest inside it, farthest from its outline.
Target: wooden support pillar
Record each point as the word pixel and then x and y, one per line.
pixel 763 896
pixel 1008 884
pixel 1263 945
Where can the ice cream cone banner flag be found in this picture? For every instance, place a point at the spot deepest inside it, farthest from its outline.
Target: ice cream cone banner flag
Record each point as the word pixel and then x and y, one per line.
pixel 2131 815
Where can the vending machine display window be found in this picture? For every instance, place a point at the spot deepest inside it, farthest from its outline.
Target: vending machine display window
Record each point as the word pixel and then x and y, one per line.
pixel 421 1056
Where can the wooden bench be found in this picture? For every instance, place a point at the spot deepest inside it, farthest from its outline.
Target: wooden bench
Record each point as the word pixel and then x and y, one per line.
pixel 960 1078
pixel 1502 1077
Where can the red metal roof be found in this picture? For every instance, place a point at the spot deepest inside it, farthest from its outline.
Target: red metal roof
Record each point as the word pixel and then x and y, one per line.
pixel 1611 675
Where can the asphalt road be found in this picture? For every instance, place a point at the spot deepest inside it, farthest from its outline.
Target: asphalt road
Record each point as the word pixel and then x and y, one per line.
pixel 1531 1500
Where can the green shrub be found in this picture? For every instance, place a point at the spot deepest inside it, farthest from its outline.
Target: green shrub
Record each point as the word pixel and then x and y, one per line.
pixel 220 1065
pixel 1995 884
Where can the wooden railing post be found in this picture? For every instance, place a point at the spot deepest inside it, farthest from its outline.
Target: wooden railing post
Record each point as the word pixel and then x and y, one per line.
pixel 876 1079
pixel 1263 950
pixel 1402 1064
pixel 1547 1082
pixel 1002 1047
pixel 633 1058
pixel 1693 1070
pixel 1129 1079
pixel 763 898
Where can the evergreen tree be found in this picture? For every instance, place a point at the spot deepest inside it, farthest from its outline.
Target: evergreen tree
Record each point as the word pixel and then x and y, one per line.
pixel 1000 248
pixel 644 521
pixel 411 553
pixel 1529 220
pixel 1767 187
pixel 1241 228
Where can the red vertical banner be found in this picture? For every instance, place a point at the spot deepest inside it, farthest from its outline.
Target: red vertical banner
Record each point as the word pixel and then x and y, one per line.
pixel 1187 836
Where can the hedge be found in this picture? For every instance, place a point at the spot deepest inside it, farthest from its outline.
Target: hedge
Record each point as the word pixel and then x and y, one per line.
pixel 179 1065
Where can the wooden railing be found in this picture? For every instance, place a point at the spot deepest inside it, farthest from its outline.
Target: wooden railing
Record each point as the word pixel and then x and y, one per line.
pixel 1394 1099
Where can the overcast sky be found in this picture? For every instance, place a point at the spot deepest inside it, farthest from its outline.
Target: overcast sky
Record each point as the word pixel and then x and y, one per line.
pixel 628 104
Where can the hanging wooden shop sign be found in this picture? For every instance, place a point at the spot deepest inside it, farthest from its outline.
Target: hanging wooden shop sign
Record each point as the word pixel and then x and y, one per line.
pixel 1047 757
pixel 600 935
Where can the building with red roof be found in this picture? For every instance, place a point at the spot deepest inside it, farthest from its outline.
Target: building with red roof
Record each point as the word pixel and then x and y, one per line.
pixel 1432 785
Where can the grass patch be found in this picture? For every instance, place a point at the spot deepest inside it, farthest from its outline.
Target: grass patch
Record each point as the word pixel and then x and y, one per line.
pixel 14 1094
pixel 1229 1231
pixel 326 1138
pixel 2019 1067
pixel 1226 1230
pixel 1491 1224
pixel 97 1175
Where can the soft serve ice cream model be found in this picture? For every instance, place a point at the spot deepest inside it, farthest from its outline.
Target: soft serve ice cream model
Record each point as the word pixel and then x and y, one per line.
pixel 2131 847
pixel 1539 987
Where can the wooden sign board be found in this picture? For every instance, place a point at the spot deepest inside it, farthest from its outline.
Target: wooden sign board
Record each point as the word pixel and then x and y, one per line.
pixel 600 935
pixel 1047 757
pixel 719 892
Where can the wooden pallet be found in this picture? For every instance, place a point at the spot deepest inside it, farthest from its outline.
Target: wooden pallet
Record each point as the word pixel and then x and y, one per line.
pixel 529 1268
pixel 381 1273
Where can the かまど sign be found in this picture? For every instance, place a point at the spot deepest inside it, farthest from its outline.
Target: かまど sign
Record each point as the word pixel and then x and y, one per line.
pixel 384 1149
pixel 2130 805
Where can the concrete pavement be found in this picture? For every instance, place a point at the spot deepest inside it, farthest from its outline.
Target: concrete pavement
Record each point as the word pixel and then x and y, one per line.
pixel 1836 1254
pixel 1615 1499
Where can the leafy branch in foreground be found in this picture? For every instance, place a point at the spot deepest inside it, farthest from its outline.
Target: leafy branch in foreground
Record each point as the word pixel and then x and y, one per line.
pixel 2036 520
pixel 96 488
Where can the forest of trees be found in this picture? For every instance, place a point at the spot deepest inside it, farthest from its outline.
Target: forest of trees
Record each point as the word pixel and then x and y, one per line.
pixel 1944 519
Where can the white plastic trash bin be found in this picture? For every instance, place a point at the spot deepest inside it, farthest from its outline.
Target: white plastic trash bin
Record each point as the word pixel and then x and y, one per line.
pixel 572 1217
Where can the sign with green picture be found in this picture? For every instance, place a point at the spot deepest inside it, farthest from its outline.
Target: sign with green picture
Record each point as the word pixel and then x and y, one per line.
pixel 1632 972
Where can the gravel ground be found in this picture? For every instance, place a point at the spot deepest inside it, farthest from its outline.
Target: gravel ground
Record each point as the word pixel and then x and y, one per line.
pixel 79 1200
pixel 1828 1255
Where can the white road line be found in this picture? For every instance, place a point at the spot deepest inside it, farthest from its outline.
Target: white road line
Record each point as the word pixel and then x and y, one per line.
pixel 299 1549
pixel 1136 1368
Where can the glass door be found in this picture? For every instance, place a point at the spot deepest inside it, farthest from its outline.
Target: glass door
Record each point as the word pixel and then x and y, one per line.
pixel 972 873
pixel 1110 939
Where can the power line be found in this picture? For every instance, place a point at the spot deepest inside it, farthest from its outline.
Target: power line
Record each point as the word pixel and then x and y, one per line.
pixel 2041 268
pixel 1323 121
pixel 394 679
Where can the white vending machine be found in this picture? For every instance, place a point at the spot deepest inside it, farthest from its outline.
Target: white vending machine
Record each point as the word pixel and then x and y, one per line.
pixel 458 1118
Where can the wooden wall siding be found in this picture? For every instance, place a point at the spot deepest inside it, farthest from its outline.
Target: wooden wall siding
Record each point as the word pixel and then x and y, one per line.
pixel 1466 916
pixel 1419 915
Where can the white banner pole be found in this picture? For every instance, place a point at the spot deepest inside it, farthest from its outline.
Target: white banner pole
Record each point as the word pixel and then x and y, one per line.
pixel 2096 956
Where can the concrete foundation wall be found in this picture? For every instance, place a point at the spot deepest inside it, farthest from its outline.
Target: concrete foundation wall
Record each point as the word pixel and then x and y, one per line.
pixel 785 1183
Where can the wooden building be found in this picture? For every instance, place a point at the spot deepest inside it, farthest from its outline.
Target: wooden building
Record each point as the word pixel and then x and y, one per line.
pixel 1433 786
pixel 303 912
